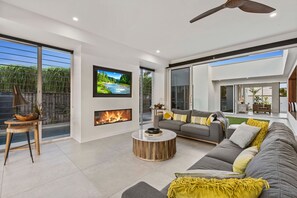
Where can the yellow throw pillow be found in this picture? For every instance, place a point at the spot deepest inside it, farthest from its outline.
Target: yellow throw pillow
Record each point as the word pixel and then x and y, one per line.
pixel 243 159
pixel 210 119
pixel 167 115
pixel 198 120
pixel 180 117
pixel 262 134
pixel 185 187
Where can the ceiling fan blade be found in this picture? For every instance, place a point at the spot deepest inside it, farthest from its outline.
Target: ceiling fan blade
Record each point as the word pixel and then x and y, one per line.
pixel 207 13
pixel 255 7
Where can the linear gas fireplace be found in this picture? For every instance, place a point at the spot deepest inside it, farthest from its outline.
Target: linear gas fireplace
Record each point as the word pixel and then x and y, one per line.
pixel 112 116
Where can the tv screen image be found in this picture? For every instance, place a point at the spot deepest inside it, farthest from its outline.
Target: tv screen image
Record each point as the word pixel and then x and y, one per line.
pixel 111 82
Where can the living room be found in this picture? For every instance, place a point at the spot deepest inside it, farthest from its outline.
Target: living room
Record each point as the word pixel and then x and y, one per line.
pixel 79 40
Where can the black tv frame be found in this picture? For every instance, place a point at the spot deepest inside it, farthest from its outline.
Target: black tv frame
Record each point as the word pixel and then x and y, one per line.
pixel 95 94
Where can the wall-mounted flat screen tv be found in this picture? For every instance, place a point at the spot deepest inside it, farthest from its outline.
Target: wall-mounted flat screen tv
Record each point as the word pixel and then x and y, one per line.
pixel 109 82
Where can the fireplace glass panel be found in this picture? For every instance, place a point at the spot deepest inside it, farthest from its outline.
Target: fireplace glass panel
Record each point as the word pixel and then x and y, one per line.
pixel 112 116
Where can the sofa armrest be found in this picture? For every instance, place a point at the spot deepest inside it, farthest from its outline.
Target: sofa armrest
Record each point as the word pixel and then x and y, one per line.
pixel 142 190
pixel 157 119
pixel 216 131
pixel 231 130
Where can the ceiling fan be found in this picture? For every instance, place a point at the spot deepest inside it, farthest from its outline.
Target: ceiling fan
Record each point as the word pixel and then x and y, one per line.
pixel 244 5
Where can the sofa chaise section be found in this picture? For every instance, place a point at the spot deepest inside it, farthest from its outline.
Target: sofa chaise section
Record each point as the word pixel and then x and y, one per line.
pixel 276 162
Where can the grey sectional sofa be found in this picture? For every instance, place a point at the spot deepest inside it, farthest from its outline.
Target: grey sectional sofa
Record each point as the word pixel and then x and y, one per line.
pixel 213 133
pixel 276 162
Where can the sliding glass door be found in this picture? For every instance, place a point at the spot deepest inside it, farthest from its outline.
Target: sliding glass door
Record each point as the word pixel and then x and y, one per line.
pixel 180 88
pixel 18 66
pixel 227 99
pixel 146 95
pixel 43 76
pixel 56 93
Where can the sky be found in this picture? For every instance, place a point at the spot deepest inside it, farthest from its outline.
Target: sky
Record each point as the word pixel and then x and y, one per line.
pixel 111 74
pixel 248 58
pixel 26 55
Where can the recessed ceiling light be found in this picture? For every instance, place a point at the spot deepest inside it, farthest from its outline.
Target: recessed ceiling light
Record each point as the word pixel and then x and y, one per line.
pixel 74 18
pixel 273 14
pixel 158 51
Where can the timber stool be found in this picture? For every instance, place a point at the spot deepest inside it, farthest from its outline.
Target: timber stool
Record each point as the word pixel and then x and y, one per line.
pixel 9 134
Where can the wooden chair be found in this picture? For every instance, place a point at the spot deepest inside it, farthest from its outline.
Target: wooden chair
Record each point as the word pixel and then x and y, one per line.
pixel 9 134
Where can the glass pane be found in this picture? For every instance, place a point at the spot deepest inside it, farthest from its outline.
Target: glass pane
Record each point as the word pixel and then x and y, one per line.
pixel 283 93
pixel 227 99
pixel 180 88
pixel 18 66
pixel 55 93
pixel 146 98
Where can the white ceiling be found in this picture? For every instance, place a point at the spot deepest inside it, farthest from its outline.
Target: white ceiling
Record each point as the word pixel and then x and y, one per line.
pixel 149 25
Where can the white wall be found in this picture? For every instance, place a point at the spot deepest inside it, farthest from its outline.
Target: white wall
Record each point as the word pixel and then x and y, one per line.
pixel 258 68
pixel 89 50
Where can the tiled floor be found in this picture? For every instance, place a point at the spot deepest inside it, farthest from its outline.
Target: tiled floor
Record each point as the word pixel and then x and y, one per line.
pixel 101 168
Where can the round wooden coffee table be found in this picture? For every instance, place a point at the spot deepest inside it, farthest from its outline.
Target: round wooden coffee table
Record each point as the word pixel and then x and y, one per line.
pixel 157 148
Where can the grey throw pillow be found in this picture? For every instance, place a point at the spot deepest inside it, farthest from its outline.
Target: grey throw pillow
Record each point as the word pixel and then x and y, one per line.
pixel 217 174
pixel 244 135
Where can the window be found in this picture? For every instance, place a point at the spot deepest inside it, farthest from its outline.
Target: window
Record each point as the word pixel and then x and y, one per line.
pixel 146 94
pixel 227 99
pixel 248 58
pixel 19 66
pixel 56 93
pixel 180 88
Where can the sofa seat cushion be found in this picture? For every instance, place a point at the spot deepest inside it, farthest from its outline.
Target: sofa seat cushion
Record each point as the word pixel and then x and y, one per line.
pixel 210 163
pixel 226 151
pixel 142 189
pixel 196 129
pixel 171 124
pixel 276 163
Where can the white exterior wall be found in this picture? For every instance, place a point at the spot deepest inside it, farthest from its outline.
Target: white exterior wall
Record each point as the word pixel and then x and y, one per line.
pixel 257 68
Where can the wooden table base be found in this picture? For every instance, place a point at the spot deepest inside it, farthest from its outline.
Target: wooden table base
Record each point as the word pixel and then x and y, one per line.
pixel 154 151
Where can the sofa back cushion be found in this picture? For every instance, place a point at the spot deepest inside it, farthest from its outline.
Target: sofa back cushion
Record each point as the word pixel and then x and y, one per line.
pixel 183 112
pixel 276 162
pixel 204 114
pixel 279 131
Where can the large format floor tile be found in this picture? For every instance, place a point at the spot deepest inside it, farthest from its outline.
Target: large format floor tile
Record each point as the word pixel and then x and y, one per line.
pixel 23 175
pixel 74 186
pixel 101 168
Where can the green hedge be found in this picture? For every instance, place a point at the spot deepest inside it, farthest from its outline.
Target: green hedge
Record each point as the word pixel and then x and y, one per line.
pixel 55 79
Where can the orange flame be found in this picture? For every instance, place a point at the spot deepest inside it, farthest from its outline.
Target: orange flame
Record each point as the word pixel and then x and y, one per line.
pixel 108 117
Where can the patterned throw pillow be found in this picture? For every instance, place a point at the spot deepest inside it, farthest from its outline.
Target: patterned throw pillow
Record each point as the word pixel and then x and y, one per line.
pixel 167 115
pixel 224 188
pixel 262 134
pixel 243 159
pixel 180 117
pixel 198 120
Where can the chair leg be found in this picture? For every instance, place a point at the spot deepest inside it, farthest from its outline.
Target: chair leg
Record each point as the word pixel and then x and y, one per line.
pixel 8 148
pixel 28 138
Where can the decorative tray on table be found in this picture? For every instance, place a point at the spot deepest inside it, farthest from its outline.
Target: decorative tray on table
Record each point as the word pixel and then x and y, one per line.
pixel 153 132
